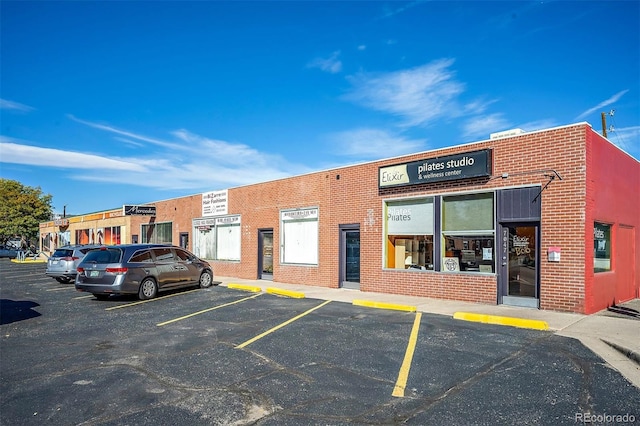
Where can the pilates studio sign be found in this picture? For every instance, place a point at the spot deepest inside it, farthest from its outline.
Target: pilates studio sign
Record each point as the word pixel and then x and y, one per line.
pixel 452 167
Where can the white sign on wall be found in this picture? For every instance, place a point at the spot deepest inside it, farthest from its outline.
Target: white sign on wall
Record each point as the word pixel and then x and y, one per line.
pixel 215 203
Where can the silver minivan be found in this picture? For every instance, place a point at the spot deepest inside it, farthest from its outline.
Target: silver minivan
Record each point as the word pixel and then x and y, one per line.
pixel 141 269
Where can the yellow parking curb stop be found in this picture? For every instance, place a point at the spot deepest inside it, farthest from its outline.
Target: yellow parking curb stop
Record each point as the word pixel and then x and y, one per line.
pixel 244 287
pixel 288 293
pixel 498 320
pixel 382 305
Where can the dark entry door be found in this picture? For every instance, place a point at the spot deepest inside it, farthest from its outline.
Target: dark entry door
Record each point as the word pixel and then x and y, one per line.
pixel 184 240
pixel 519 280
pixel 350 256
pixel 265 254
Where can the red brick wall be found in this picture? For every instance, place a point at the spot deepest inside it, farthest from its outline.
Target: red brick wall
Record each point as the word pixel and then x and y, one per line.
pixel 613 185
pixel 354 197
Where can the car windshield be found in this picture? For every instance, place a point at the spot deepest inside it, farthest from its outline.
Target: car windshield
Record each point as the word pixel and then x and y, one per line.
pixel 106 255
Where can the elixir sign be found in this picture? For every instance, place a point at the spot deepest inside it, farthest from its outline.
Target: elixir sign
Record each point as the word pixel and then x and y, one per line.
pixel 439 169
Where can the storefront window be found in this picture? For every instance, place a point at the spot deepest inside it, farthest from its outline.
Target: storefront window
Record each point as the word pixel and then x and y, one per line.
pixel 468 236
pixel 158 233
pixel 112 235
pixel 601 247
pixel 299 236
pixel 228 238
pixel 409 234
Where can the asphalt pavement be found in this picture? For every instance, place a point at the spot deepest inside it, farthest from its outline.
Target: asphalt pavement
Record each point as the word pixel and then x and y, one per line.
pixel 612 334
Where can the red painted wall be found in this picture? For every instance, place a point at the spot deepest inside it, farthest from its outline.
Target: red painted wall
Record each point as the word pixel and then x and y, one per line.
pixel 613 197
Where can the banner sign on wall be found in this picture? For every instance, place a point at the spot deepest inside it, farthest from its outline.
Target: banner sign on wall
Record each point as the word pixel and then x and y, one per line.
pixel 439 169
pixel 138 210
pixel 215 203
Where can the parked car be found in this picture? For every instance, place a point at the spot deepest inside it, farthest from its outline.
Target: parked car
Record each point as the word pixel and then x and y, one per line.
pixel 63 263
pixel 8 251
pixel 142 269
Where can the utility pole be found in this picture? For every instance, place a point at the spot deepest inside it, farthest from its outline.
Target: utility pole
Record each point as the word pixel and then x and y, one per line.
pixel 604 124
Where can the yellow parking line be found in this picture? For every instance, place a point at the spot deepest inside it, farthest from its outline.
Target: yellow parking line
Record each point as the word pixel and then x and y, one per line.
pixel 61 288
pixel 149 300
pixel 83 297
pixel 206 310
pixel 401 383
pixel 495 319
pixel 250 341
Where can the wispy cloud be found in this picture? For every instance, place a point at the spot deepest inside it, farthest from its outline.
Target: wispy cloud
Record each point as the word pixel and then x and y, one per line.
pixel 418 95
pixel 602 104
pixel 332 64
pixel 391 12
pixel 185 161
pixel 627 139
pixel 483 126
pixel 6 104
pixel 368 143
pixel 15 151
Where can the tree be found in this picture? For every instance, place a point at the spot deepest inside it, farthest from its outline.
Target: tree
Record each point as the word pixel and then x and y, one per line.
pixel 22 208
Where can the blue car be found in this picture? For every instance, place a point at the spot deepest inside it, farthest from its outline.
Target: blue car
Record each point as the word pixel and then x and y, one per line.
pixel 7 251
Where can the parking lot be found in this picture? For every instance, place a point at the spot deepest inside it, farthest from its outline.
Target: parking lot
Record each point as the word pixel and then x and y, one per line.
pixel 221 356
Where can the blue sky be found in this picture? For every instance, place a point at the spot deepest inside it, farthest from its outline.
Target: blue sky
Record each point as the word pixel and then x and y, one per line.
pixel 111 103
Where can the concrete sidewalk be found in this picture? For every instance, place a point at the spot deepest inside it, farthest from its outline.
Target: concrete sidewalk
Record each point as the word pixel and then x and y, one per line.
pixel 613 337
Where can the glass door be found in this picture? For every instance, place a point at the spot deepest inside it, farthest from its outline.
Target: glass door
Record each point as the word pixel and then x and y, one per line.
pixel 519 278
pixel 350 257
pixel 265 254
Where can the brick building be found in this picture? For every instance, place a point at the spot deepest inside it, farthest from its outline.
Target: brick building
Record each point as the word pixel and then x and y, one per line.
pixel 546 219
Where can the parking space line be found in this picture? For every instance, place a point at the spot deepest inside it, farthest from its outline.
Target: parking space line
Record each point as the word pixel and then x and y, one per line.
pixel 83 297
pixel 207 310
pixel 126 305
pixel 61 288
pixel 260 336
pixel 401 383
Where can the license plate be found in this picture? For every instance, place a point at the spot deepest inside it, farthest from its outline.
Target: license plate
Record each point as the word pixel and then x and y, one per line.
pixel 54 262
pixel 94 273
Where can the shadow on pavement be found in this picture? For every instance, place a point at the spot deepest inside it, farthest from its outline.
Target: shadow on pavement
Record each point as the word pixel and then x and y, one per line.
pixel 14 311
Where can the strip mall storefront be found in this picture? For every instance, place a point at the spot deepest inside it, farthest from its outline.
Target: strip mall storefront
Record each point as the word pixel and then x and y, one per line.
pixel 541 219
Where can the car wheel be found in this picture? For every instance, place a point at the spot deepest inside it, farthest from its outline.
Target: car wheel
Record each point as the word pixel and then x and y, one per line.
pixel 206 279
pixel 61 280
pixel 148 289
pixel 101 296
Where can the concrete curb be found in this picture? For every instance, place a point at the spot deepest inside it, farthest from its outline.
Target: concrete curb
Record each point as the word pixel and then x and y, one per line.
pixel 382 305
pixel 632 355
pixel 245 287
pixel 499 320
pixel 287 293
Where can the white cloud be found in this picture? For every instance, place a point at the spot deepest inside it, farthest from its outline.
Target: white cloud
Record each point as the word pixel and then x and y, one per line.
pixel 19 153
pixel 627 139
pixel 602 104
pixel 6 104
pixel 331 64
pixel 188 162
pixel 367 143
pixel 482 126
pixel 418 95
pixel 532 126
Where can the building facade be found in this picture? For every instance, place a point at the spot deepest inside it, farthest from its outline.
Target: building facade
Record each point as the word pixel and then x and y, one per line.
pixel 546 219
